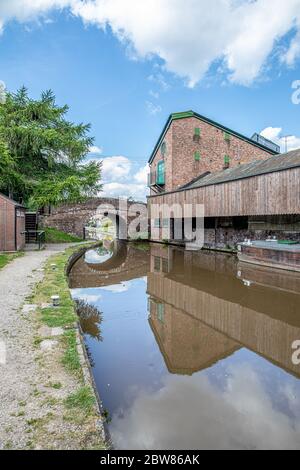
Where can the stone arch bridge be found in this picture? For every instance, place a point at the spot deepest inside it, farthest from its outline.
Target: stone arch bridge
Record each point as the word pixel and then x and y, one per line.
pixel 73 218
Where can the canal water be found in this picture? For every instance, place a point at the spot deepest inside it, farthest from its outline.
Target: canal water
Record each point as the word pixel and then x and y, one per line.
pixel 191 350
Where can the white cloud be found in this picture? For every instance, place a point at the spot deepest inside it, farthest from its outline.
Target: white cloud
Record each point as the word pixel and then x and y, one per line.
pixel 118 178
pixel 154 94
pixel 190 39
pixel 242 34
pixel 115 168
pixel 115 189
pixel 293 53
pixel 292 142
pixel 28 10
pixel 91 296
pixel 141 175
pixel 118 288
pixel 93 257
pixel 153 108
pixel 196 413
pixel 95 150
pixel 2 92
pixel 159 79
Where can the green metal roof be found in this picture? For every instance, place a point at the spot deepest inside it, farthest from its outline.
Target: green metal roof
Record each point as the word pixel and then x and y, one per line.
pixel 189 114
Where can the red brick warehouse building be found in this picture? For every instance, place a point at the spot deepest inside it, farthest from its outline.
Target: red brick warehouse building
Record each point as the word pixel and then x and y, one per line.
pixel 197 160
pixel 12 225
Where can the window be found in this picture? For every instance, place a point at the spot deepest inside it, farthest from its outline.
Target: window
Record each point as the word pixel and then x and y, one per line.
pixel 160 173
pixel 165 265
pixel 197 156
pixel 156 223
pixel 226 161
pixel 197 134
pixel 165 223
pixel 161 312
pixel 163 148
pixel 227 136
pixel 156 263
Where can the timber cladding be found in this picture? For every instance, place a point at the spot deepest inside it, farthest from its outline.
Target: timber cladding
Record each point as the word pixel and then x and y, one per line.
pixel 268 194
pixel 12 225
pixel 256 330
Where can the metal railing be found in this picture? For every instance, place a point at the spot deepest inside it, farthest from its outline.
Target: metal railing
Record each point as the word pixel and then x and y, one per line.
pixel 35 236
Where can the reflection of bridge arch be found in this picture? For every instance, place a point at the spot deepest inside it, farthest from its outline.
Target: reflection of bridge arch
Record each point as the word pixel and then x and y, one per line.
pixel 117 259
pixel 128 263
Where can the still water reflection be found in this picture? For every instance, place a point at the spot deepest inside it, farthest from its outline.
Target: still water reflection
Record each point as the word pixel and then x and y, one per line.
pixel 191 350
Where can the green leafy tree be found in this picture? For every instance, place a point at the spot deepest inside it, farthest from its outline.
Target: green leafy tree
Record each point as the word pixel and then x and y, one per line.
pixel 42 154
pixel 9 176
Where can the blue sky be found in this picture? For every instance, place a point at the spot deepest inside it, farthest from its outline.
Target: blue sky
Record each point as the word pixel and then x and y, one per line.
pixel 125 66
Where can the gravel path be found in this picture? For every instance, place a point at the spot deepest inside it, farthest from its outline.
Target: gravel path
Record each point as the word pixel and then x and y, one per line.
pixel 19 368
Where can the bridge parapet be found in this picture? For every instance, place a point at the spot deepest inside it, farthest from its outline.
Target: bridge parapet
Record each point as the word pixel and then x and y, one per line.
pixel 72 218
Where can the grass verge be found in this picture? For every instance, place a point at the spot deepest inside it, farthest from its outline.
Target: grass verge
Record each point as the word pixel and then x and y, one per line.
pixel 56 236
pixel 6 258
pixel 80 404
pixel 70 358
pixel 83 398
pixel 55 282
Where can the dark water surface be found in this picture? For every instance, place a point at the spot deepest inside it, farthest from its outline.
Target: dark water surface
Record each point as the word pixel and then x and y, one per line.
pixel 191 350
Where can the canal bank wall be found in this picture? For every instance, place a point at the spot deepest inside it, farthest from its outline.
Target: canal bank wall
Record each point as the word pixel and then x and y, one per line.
pixel 83 353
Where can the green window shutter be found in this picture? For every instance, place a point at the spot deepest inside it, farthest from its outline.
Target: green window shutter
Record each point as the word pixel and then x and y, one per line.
pixel 227 136
pixel 156 263
pixel 156 223
pixel 197 156
pixel 197 132
pixel 227 160
pixel 161 312
pixel 165 265
pixel 160 173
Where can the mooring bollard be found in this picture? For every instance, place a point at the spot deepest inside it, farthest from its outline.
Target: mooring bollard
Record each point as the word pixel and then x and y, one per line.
pixel 55 300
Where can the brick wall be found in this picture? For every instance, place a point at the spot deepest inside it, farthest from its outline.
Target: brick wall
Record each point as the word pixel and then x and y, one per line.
pixel 180 163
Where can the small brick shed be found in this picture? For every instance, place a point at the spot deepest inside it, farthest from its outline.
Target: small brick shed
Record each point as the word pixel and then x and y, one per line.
pixel 12 225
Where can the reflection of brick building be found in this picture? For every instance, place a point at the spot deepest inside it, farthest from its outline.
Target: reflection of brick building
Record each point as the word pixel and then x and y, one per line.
pixel 12 225
pixel 201 310
pixel 186 344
